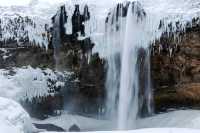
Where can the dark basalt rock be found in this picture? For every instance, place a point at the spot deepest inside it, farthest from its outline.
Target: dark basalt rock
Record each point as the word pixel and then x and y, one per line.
pixel 74 128
pixel 62 20
pixel 24 56
pixel 49 127
pixel 78 19
pixel 143 67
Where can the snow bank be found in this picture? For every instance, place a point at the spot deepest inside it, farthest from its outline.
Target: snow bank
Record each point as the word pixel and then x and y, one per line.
pixel 6 126
pixel 176 119
pixel 66 120
pixel 13 118
pixel 179 119
pixel 158 130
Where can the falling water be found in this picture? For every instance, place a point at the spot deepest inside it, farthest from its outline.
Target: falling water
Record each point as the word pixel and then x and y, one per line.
pixel 58 32
pixel 129 80
pixel 127 38
pixel 56 41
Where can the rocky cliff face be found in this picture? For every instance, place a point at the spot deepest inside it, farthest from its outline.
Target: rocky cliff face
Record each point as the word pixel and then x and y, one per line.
pixel 176 71
pixel 84 89
pixel 175 65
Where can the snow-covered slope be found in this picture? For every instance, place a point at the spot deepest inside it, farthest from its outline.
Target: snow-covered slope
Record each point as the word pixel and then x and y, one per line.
pixel 13 118
pixel 179 119
pixel 66 120
pixel 6 126
pixel 156 130
pixel 176 119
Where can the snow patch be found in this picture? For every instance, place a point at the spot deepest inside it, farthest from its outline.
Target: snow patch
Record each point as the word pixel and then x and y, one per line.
pixel 158 130
pixel 15 118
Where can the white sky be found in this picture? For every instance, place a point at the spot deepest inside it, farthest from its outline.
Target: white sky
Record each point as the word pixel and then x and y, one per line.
pixel 24 2
pixel 14 2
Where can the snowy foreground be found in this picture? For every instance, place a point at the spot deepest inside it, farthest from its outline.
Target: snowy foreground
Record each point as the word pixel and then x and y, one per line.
pixel 13 119
pixel 176 119
pixel 153 130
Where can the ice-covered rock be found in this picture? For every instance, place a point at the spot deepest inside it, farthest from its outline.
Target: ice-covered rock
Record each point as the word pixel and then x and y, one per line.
pixel 27 83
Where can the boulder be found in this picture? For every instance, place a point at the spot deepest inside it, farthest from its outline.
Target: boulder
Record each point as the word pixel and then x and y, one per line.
pixel 74 128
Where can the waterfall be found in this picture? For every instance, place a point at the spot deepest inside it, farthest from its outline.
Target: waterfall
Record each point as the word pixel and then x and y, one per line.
pixel 128 82
pixel 56 41
pixel 131 29
pixel 58 32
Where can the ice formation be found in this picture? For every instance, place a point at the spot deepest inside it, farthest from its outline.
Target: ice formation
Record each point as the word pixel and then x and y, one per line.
pixel 27 83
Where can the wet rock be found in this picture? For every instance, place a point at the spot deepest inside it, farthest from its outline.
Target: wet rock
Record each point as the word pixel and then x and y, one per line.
pixel 74 128
pixel 42 107
pixel 24 56
pixel 78 20
pixel 49 127
pixel 189 91
pixel 58 30
pixel 176 77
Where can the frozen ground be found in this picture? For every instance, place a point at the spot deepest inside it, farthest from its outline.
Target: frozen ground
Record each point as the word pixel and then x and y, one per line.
pixel 6 126
pixel 158 130
pixel 178 119
pixel 66 120
pixel 175 119
pixel 14 119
